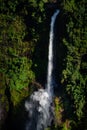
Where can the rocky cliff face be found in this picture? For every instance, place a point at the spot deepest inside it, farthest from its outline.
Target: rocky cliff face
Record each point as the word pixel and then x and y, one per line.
pixel 4 106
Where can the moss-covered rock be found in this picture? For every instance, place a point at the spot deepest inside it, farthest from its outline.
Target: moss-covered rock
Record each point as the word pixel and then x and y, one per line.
pixel 18 96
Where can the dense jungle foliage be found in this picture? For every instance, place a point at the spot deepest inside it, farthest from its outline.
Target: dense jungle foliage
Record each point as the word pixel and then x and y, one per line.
pixel 24 34
pixel 75 71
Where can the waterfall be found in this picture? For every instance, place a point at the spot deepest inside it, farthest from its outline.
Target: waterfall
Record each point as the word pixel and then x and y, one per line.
pixel 39 105
pixel 50 55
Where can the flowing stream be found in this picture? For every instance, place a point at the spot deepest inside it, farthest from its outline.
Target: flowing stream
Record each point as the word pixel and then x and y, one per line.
pixel 39 105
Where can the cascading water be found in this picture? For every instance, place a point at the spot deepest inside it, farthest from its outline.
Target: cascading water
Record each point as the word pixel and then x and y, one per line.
pixel 50 55
pixel 39 105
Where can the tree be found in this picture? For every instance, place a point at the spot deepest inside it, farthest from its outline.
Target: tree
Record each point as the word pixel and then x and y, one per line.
pixel 73 76
pixel 14 55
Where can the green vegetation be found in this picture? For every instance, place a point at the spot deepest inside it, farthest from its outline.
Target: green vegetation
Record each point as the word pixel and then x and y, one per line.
pixel 23 57
pixel 58 112
pixel 20 28
pixel 17 40
pixel 74 74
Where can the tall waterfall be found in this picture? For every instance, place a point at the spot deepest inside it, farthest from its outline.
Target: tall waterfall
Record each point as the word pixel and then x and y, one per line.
pixel 50 55
pixel 39 105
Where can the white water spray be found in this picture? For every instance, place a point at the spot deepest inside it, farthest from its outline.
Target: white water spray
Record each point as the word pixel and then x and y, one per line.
pixel 39 105
pixel 39 110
